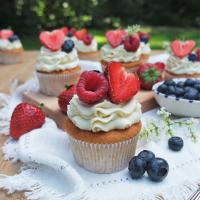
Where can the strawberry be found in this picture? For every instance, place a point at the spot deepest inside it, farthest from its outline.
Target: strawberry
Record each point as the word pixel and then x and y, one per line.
pixel 116 37
pixel 65 30
pixel 182 49
pixel 65 97
pixel 81 34
pixel 132 43
pixel 52 40
pixel 122 85
pixel 5 34
pixel 150 74
pixel 87 39
pixel 92 87
pixel 198 54
pixel 25 118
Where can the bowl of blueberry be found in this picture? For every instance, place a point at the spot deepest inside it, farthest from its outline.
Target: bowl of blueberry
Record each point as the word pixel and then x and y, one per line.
pixel 179 96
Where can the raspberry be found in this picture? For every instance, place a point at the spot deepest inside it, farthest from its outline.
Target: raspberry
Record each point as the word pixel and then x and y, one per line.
pixel 87 39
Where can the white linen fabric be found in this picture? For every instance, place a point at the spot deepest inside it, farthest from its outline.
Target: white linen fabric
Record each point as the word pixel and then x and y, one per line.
pixel 50 172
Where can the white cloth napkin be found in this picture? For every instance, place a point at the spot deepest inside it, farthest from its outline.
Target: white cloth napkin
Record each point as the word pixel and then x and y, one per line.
pixel 50 172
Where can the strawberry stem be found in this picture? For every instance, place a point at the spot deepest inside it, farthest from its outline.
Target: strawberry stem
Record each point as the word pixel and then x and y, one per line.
pixel 41 106
pixel 68 87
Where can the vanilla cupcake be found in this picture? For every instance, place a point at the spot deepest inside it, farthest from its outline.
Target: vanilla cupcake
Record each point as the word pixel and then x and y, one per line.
pixel 183 61
pixel 104 119
pixel 129 47
pixel 57 64
pixel 11 48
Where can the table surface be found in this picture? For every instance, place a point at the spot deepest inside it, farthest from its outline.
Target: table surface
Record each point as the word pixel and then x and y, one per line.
pixel 20 72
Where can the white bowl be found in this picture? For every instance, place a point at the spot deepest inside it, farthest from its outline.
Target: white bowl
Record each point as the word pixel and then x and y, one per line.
pixel 177 106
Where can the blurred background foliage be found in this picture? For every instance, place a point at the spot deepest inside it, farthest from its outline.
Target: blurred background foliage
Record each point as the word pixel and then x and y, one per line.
pixel 28 17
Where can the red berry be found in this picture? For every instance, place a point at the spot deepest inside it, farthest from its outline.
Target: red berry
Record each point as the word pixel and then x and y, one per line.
pixel 81 34
pixel 52 40
pixel 92 87
pixel 132 43
pixel 65 97
pixel 72 30
pixel 87 39
pixel 5 34
pixel 198 54
pixel 25 118
pixel 65 30
pixel 122 85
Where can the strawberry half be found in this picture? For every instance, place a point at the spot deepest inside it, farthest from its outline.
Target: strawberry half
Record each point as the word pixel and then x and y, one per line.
pixel 81 34
pixel 116 37
pixel 122 85
pixel 25 118
pixel 65 30
pixel 150 74
pixel 52 40
pixel 5 34
pixel 65 97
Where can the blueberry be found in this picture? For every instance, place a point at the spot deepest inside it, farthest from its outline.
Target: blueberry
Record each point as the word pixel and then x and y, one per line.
pixel 197 81
pixel 179 91
pixel 180 84
pixel 136 167
pixel 197 86
pixel 192 94
pixel 68 46
pixel 157 169
pixel 171 90
pixel 162 88
pixel 175 143
pixel 170 83
pixel 198 97
pixel 189 82
pixel 146 155
pixel 13 38
pixel 187 89
pixel 192 57
pixel 69 34
pixel 144 39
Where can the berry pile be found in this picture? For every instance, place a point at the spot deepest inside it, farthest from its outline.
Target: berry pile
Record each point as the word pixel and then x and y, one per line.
pixel 156 168
pixel 188 89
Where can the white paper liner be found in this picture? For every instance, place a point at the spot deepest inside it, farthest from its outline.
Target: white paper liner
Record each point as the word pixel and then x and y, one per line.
pixel 103 158
pixel 7 58
pixel 54 84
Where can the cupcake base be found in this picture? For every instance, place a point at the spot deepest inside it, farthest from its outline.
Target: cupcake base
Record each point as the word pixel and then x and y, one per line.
pixel 52 84
pixel 11 56
pixel 95 55
pixel 170 75
pixel 103 152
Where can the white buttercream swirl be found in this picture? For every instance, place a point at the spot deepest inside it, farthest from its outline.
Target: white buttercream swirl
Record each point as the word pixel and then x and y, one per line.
pixel 104 116
pixel 49 61
pixel 145 48
pixel 82 47
pixel 119 54
pixel 8 45
pixel 182 65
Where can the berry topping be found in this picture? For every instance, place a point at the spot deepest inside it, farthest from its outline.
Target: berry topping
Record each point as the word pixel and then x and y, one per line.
pixel 65 30
pixel 137 167
pixel 81 34
pixel 65 97
pixel 68 46
pixel 144 39
pixel 5 34
pixel 25 118
pixel 132 43
pixel 69 34
pixel 122 85
pixel 144 35
pixel 13 38
pixel 192 57
pixel 92 87
pixel 150 74
pixel 157 169
pixel 52 40
pixel 146 155
pixel 72 30
pixel 198 54
pixel 175 143
pixel 182 49
pixel 87 39
pixel 115 37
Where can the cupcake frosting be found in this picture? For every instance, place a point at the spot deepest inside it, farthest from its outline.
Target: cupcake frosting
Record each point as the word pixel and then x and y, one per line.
pixel 81 47
pixel 182 65
pixel 8 45
pixel 104 116
pixel 119 54
pixel 49 61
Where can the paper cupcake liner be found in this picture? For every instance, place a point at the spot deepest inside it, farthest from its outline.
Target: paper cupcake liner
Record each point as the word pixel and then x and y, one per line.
pixel 103 158
pixel 54 84
pixel 6 58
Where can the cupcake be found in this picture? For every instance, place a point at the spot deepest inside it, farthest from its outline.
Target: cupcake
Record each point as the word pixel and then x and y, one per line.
pixel 104 119
pixel 129 47
pixel 10 47
pixel 184 61
pixel 57 64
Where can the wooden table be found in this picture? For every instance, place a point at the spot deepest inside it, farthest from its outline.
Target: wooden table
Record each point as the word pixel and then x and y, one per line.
pixel 8 73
